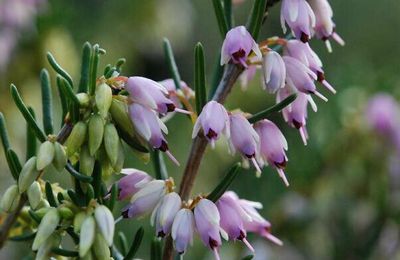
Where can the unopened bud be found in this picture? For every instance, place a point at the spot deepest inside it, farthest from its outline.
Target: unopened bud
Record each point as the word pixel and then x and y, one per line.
pixel 100 248
pixel 76 138
pixel 60 156
pixel 119 113
pixel 10 199
pixel 43 204
pixel 105 221
pixel 86 238
pixel 28 175
pixel 84 100
pixel 34 194
pixel 65 213
pixel 86 162
pixel 44 251
pixel 96 132
pixel 120 161
pixel 103 98
pixel 78 220
pixel 45 155
pixel 111 142
pixel 47 226
pixel 42 211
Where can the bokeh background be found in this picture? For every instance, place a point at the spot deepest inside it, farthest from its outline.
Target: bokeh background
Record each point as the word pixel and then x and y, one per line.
pixel 344 198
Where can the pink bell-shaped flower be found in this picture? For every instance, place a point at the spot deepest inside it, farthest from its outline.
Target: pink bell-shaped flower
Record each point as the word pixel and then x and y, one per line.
pixel 132 182
pixel 309 58
pixel 272 146
pixel 324 26
pixel 150 94
pixel 244 138
pixel 274 72
pixel 300 77
pixel 182 230
pixel 207 220
pixel 145 200
pixel 237 46
pixel 150 127
pixel 164 214
pixel 296 113
pixel 214 121
pixel 232 217
pixel 300 18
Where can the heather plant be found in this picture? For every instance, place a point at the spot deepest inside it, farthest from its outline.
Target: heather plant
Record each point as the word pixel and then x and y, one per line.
pixel 106 113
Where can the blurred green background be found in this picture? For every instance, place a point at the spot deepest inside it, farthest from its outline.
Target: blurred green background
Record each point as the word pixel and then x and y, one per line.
pixel 342 202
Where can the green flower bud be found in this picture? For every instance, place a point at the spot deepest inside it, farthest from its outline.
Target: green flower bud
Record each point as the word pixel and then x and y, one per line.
pixel 65 213
pixel 100 248
pixel 44 251
pixel 10 199
pixel 43 204
pixel 42 211
pixel 86 161
pixel 34 194
pixel 105 221
pixel 76 138
pixel 60 156
pixel 103 97
pixel 119 114
pixel 121 159
pixel 96 132
pixel 78 220
pixel 86 238
pixel 84 99
pixel 47 226
pixel 45 155
pixel 28 175
pixel 111 142
pixel 88 256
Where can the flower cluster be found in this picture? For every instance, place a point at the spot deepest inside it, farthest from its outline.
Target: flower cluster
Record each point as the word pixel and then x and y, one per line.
pixel 229 217
pixel 309 18
pixel 262 143
pixel 148 100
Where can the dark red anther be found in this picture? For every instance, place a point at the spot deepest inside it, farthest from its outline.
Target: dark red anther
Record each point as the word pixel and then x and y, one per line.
pixel 211 134
pixel 124 214
pixel 281 165
pixel 163 147
pixel 250 155
pixel 239 54
pixel 213 243
pixel 170 107
pixel 297 124
pixel 242 235
pixel 320 76
pixel 161 234
pixel 304 37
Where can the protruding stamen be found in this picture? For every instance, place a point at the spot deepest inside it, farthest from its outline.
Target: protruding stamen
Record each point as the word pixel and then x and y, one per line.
pixel 329 86
pixel 249 246
pixel 320 96
pixel 338 39
pixel 173 159
pixel 274 239
pixel 216 255
pixel 303 135
pixel 118 220
pixel 212 143
pixel 253 160
pixel 328 46
pixel 283 176
pixel 179 110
